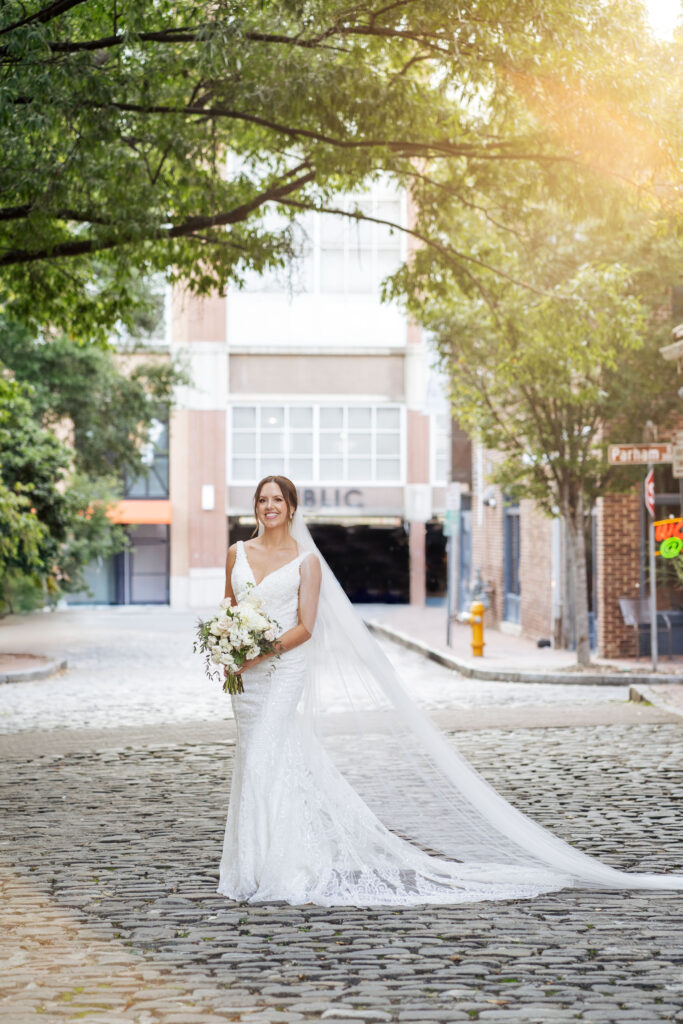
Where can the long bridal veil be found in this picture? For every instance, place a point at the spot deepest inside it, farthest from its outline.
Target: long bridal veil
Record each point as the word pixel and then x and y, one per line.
pixel 410 775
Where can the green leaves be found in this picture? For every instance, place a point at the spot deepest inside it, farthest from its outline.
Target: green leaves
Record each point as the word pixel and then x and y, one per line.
pixel 53 496
pixel 148 138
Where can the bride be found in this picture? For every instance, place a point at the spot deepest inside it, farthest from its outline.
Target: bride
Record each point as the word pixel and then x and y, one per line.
pixel 343 791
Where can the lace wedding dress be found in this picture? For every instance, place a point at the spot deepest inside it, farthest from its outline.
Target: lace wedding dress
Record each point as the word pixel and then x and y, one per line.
pixel 344 793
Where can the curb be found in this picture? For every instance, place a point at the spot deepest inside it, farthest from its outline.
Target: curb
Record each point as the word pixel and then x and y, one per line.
pixel 48 667
pixel 519 675
pixel 646 695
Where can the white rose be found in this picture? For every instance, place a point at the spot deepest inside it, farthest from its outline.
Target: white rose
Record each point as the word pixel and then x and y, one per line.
pixel 223 623
pixel 253 652
pixel 269 635
pixel 216 656
pixel 224 604
pixel 253 619
pixel 215 628
pixel 227 660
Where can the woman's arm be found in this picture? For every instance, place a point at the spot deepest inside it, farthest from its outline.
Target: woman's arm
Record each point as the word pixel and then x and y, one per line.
pixel 229 563
pixel 309 594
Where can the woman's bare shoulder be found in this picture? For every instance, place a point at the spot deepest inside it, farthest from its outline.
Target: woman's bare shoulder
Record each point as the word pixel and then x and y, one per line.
pixel 310 562
pixel 232 552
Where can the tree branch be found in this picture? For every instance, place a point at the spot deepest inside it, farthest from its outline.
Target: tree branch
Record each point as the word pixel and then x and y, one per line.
pixel 494 151
pixel 48 13
pixel 185 229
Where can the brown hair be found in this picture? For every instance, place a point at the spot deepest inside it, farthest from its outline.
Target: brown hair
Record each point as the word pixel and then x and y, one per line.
pixel 288 493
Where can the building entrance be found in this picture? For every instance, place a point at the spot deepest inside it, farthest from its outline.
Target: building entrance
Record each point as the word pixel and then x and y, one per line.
pixel 139 575
pixel 371 562
pixel 142 571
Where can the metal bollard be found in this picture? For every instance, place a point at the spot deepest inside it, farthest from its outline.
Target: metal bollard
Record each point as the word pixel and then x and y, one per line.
pixel 476 620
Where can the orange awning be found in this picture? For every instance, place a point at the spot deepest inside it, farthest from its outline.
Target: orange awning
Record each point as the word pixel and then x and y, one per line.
pixel 141 510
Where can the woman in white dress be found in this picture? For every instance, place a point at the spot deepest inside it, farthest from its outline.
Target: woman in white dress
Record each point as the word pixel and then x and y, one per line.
pixel 343 791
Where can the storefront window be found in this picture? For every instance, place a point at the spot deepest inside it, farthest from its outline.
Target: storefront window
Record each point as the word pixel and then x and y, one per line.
pixel 317 443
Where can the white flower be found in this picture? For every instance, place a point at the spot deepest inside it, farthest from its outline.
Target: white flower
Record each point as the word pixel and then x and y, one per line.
pixel 215 628
pixel 224 604
pixel 216 656
pixel 269 635
pixel 253 652
pixel 223 623
pixel 228 660
pixel 252 618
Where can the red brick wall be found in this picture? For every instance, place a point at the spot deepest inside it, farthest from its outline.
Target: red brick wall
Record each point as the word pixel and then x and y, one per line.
pixel 618 551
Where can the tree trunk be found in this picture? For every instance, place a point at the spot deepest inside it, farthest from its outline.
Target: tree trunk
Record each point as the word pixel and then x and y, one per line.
pixel 568 604
pixel 576 539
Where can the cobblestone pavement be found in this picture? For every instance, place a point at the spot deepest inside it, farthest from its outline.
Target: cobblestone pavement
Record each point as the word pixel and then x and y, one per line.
pixel 109 861
pixel 135 665
pixel 112 828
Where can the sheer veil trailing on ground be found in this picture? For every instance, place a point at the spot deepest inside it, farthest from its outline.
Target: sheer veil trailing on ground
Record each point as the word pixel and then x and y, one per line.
pixel 412 778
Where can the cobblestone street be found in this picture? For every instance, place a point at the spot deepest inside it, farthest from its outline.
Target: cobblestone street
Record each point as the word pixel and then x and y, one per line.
pixel 114 791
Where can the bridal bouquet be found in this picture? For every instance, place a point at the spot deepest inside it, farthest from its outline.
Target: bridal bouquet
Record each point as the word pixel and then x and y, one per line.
pixel 235 634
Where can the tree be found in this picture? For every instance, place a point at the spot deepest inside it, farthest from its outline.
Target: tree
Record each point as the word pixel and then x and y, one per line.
pixel 106 409
pixel 54 496
pixel 548 327
pixel 51 521
pixel 548 372
pixel 116 120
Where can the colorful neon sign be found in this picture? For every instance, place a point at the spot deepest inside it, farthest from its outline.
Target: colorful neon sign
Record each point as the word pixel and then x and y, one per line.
pixel 669 536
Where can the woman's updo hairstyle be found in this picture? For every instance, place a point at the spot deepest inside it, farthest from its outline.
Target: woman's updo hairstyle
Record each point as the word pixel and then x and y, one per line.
pixel 288 493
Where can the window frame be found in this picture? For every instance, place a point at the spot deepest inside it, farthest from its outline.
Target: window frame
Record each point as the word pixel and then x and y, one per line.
pixel 315 479
pixel 150 471
pixel 434 435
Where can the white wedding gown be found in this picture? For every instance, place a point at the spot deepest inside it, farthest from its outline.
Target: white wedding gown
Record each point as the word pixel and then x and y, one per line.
pixel 298 830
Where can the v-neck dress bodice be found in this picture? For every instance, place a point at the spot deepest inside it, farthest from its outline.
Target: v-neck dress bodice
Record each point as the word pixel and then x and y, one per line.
pixel 279 590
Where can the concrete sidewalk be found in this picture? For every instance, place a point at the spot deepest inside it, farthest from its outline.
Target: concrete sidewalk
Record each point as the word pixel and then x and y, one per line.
pixel 508 658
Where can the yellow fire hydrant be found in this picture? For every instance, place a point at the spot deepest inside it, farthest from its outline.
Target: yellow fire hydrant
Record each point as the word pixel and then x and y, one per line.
pixel 476 620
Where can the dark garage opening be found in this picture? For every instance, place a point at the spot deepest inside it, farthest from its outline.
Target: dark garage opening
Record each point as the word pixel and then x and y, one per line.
pixel 370 562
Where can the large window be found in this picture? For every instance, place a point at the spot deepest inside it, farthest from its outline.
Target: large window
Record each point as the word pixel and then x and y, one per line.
pixel 356 255
pixel 153 481
pixel 441 447
pixel 334 253
pixel 317 443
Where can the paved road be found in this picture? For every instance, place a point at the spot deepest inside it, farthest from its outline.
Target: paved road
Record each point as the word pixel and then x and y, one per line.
pixel 135 666
pixel 112 834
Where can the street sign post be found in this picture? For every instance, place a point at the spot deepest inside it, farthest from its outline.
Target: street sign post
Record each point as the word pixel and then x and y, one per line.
pixel 649 495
